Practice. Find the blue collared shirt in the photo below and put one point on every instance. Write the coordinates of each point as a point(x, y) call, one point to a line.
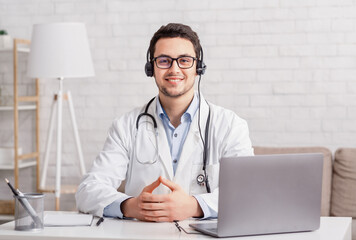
point(176, 138)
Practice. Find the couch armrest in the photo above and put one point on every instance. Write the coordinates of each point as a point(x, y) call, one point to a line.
point(343, 199)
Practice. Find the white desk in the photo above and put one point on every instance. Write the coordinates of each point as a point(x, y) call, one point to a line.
point(330, 228)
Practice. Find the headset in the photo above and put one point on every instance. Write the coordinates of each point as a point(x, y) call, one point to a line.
point(201, 67)
point(202, 179)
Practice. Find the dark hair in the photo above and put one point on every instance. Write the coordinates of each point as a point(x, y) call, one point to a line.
point(173, 30)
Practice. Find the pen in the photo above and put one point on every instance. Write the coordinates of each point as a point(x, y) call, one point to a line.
point(26, 205)
point(11, 187)
point(100, 221)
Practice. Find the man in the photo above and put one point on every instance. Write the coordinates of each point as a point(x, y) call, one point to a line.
point(163, 166)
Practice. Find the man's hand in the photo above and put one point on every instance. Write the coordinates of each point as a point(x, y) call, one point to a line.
point(130, 207)
point(177, 205)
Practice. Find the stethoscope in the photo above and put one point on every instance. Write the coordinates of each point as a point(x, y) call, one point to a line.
point(202, 179)
point(145, 113)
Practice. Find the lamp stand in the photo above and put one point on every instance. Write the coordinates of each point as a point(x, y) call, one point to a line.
point(58, 103)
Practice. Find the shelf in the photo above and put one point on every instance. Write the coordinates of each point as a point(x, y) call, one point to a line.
point(65, 189)
point(6, 218)
point(19, 49)
point(23, 107)
point(7, 209)
point(22, 164)
point(21, 103)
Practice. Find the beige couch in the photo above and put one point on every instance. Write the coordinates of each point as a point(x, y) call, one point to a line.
point(339, 179)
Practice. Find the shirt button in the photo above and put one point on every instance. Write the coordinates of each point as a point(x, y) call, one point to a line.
point(175, 161)
point(175, 134)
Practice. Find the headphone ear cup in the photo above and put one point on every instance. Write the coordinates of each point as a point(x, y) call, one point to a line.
point(201, 67)
point(149, 69)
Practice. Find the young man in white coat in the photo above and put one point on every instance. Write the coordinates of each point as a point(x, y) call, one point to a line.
point(160, 149)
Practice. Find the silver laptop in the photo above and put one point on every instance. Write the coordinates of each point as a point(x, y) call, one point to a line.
point(267, 194)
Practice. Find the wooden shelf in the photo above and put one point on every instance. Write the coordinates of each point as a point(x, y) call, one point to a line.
point(21, 103)
point(6, 218)
point(7, 207)
point(22, 164)
point(20, 161)
point(19, 49)
point(23, 107)
point(65, 189)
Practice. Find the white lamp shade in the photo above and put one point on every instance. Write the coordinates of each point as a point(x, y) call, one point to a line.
point(59, 50)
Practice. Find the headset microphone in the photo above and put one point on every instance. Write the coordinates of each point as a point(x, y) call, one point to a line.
point(201, 67)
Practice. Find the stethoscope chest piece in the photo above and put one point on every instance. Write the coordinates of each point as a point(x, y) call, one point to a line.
point(201, 179)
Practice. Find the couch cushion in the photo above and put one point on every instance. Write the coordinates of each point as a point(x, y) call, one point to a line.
point(343, 199)
point(327, 168)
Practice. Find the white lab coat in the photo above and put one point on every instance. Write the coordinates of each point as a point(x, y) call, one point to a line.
point(228, 136)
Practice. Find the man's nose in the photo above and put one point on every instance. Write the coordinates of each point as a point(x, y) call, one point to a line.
point(175, 67)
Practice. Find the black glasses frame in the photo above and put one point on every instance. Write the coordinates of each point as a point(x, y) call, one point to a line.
point(174, 59)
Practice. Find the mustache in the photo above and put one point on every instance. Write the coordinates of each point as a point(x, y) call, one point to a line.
point(174, 75)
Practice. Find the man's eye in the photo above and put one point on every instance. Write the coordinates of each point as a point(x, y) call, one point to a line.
point(185, 60)
point(163, 61)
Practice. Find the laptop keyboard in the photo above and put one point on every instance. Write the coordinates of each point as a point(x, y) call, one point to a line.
point(211, 227)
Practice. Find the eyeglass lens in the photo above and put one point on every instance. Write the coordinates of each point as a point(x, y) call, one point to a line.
point(166, 62)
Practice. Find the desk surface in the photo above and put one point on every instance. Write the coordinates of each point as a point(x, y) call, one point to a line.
point(333, 228)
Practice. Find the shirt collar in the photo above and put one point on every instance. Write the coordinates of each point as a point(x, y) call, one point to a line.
point(188, 114)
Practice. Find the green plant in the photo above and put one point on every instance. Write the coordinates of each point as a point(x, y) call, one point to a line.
point(3, 32)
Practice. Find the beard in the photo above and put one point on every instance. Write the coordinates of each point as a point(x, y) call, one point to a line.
point(174, 94)
point(175, 91)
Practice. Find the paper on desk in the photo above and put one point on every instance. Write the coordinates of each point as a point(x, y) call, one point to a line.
point(67, 219)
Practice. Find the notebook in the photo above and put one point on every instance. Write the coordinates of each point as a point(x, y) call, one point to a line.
point(55, 219)
point(267, 194)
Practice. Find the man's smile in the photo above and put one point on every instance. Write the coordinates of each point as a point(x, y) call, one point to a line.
point(174, 78)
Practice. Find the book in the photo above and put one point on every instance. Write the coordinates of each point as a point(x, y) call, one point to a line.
point(60, 219)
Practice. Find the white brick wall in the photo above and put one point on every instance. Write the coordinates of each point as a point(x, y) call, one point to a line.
point(288, 67)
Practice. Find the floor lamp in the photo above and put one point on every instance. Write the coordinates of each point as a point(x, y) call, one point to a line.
point(59, 51)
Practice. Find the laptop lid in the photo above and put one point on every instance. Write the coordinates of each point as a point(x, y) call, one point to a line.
point(268, 194)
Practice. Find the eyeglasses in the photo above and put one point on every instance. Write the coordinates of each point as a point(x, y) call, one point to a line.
point(166, 62)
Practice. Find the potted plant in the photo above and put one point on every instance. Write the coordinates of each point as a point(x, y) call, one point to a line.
point(5, 40)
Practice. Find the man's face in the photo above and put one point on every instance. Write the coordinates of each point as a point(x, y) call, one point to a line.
point(175, 81)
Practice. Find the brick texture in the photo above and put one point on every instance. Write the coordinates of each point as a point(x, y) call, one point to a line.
point(287, 67)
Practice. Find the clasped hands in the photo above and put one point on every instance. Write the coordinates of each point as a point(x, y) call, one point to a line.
point(176, 205)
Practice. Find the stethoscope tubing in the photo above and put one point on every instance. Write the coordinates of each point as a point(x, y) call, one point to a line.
point(202, 179)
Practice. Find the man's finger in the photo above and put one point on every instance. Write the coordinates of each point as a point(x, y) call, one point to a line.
point(147, 197)
point(152, 186)
point(171, 185)
point(156, 214)
point(158, 219)
point(151, 206)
